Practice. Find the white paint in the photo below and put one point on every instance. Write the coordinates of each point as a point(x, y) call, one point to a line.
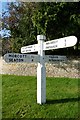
point(41, 72)
point(60, 43)
point(30, 48)
point(53, 44)
point(16, 57)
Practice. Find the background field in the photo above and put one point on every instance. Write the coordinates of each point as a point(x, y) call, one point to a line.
point(19, 98)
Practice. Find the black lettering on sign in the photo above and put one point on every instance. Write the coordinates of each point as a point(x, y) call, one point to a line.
point(10, 55)
point(51, 47)
point(21, 60)
point(20, 56)
point(23, 56)
point(51, 60)
point(17, 56)
point(29, 47)
point(58, 60)
point(65, 42)
point(14, 55)
point(28, 50)
point(47, 43)
point(10, 60)
point(23, 50)
point(52, 42)
point(15, 60)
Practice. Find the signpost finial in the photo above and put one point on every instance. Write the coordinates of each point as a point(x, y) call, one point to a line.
point(41, 37)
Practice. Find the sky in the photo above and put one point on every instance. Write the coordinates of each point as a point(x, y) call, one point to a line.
point(7, 0)
point(3, 7)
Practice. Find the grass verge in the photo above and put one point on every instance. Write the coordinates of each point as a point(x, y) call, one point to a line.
point(19, 98)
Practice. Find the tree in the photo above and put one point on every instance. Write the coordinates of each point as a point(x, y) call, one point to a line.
point(20, 24)
point(55, 20)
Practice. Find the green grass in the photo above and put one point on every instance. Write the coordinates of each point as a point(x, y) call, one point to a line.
point(0, 97)
point(19, 98)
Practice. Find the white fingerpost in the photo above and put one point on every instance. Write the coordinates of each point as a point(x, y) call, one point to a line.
point(41, 71)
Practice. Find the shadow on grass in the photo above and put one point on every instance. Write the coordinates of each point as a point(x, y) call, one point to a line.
point(63, 100)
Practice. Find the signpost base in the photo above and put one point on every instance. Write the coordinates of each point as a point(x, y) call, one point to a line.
point(41, 84)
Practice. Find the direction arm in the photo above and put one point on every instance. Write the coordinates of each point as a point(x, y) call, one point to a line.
point(60, 43)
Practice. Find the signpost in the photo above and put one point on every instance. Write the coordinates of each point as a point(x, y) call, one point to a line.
point(60, 43)
point(41, 58)
point(30, 48)
point(31, 58)
point(55, 58)
point(52, 44)
point(41, 71)
point(16, 57)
